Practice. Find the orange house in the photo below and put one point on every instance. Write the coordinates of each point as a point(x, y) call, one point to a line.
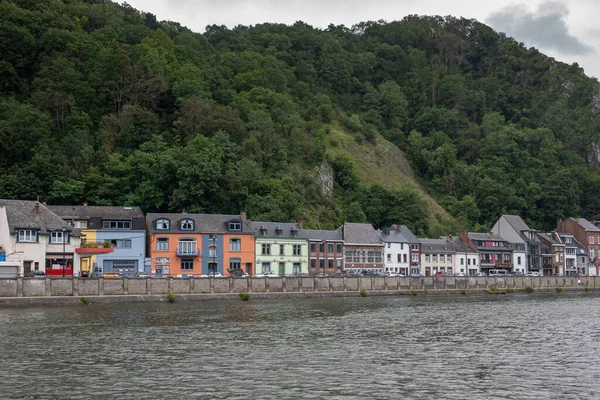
point(199, 244)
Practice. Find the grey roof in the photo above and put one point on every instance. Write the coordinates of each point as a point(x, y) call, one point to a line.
point(272, 228)
point(313, 234)
point(21, 214)
point(582, 250)
point(407, 233)
point(488, 237)
point(516, 222)
point(548, 237)
point(437, 246)
point(392, 237)
point(85, 212)
point(360, 234)
point(460, 245)
point(203, 223)
point(587, 225)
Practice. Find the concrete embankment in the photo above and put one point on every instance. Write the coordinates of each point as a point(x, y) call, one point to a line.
point(58, 291)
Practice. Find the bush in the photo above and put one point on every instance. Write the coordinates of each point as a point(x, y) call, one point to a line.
point(509, 290)
point(425, 290)
point(414, 292)
point(587, 289)
point(493, 288)
point(245, 296)
point(559, 289)
point(171, 297)
point(363, 293)
point(528, 289)
point(463, 291)
point(85, 300)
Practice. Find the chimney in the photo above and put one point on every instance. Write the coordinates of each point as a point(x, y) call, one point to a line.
point(43, 202)
point(386, 231)
point(36, 208)
point(450, 238)
point(85, 204)
point(243, 215)
point(491, 234)
point(395, 227)
point(300, 223)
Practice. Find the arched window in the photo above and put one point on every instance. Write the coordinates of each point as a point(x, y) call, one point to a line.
point(162, 224)
point(187, 225)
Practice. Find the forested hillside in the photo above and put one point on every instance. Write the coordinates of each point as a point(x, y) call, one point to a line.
point(102, 103)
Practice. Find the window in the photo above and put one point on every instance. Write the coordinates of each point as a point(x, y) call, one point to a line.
point(592, 254)
point(321, 247)
point(339, 248)
point(235, 263)
point(294, 232)
point(281, 249)
point(296, 268)
point(414, 257)
point(322, 263)
point(434, 258)
point(297, 250)
point(583, 260)
point(426, 257)
point(449, 259)
point(80, 224)
point(266, 267)
point(235, 226)
point(401, 246)
point(263, 231)
point(187, 225)
point(121, 243)
point(414, 247)
point(279, 231)
point(389, 245)
point(59, 237)
point(404, 258)
point(462, 261)
point(468, 261)
point(235, 244)
point(313, 247)
point(389, 258)
point(187, 246)
point(162, 224)
point(212, 252)
point(519, 260)
point(187, 264)
point(442, 259)
point(591, 240)
point(313, 263)
point(330, 248)
point(162, 244)
point(330, 264)
point(399, 258)
point(28, 235)
point(116, 224)
point(266, 249)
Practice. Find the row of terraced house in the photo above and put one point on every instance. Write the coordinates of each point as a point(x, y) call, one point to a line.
point(93, 240)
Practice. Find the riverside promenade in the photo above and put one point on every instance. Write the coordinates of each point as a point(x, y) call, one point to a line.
point(68, 290)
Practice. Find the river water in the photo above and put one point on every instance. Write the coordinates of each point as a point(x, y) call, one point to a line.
point(514, 346)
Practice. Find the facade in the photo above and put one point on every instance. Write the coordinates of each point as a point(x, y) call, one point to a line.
point(437, 255)
point(45, 242)
point(199, 244)
point(494, 251)
point(553, 253)
point(524, 243)
point(280, 247)
point(466, 259)
point(124, 228)
point(363, 249)
point(397, 251)
point(325, 251)
point(587, 234)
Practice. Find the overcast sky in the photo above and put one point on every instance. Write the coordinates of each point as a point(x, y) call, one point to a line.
point(566, 30)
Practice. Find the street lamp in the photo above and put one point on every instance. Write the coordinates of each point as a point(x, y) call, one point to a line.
point(64, 256)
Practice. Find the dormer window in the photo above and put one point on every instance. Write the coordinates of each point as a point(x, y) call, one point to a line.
point(294, 232)
point(263, 231)
point(162, 224)
point(187, 225)
point(279, 231)
point(59, 237)
point(28, 235)
point(235, 226)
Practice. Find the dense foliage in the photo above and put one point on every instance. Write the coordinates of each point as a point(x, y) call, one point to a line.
point(102, 103)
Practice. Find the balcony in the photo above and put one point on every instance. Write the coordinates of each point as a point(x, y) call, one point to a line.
point(187, 253)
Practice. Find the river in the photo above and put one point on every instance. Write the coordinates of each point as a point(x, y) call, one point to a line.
point(514, 346)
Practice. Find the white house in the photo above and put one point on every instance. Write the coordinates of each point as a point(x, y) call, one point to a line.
point(397, 251)
point(42, 239)
point(466, 260)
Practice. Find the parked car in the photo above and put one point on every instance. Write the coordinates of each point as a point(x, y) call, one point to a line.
point(481, 274)
point(322, 275)
point(297, 274)
point(533, 273)
point(268, 274)
point(111, 275)
point(349, 274)
point(392, 273)
point(460, 274)
point(35, 274)
point(441, 274)
point(364, 272)
point(212, 275)
point(143, 275)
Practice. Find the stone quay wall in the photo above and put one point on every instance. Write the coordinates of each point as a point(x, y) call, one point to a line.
point(53, 287)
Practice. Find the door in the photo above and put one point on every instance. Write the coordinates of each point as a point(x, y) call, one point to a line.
point(281, 269)
point(159, 271)
point(26, 267)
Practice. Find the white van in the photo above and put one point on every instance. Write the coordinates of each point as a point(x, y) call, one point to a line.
point(498, 272)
